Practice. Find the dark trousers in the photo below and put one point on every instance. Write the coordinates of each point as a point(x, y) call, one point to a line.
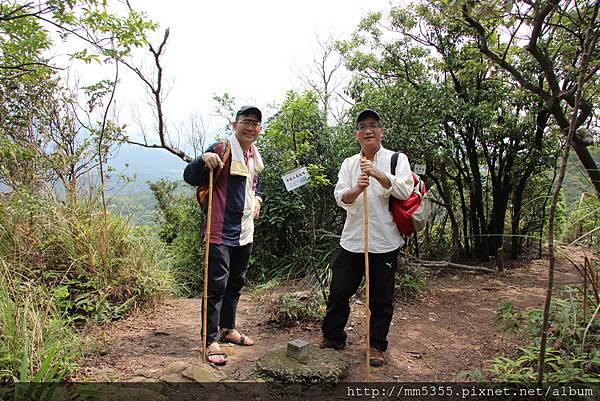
point(227, 266)
point(348, 271)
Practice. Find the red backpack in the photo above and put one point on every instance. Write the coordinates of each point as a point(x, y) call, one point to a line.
point(411, 214)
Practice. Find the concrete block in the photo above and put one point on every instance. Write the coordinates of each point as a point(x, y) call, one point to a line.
point(298, 349)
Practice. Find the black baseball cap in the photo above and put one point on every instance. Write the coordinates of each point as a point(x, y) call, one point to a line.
point(367, 113)
point(249, 110)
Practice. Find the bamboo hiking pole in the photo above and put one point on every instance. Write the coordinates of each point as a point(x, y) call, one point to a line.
point(206, 247)
point(367, 310)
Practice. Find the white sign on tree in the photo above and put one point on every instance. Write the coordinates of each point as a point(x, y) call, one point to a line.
point(420, 169)
point(295, 178)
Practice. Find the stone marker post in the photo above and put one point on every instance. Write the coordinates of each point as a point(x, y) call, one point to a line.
point(298, 349)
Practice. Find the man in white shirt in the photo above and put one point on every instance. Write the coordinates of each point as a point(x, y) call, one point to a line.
point(368, 169)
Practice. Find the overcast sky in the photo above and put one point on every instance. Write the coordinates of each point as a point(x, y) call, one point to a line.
point(251, 50)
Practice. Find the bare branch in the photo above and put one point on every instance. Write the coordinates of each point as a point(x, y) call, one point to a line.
point(155, 88)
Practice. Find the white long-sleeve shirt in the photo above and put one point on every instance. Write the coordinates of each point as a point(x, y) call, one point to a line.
point(383, 233)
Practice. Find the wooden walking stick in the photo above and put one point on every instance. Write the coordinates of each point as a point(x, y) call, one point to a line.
point(367, 310)
point(206, 247)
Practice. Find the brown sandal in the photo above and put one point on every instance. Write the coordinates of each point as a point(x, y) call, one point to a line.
point(244, 340)
point(217, 353)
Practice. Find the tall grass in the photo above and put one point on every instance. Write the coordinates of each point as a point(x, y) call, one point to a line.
point(36, 344)
point(573, 354)
point(58, 271)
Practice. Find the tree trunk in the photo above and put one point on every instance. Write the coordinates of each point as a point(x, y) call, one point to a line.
point(444, 191)
point(496, 226)
point(477, 214)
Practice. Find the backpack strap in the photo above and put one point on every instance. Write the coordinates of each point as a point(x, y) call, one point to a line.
point(394, 162)
point(225, 152)
point(418, 185)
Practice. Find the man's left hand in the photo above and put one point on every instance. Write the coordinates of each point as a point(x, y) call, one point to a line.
point(256, 209)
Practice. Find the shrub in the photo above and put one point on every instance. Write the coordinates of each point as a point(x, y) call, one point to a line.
point(410, 281)
point(180, 221)
point(68, 264)
point(573, 342)
point(582, 225)
point(290, 309)
point(35, 342)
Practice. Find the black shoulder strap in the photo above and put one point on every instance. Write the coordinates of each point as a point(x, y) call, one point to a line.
point(224, 144)
point(394, 162)
point(225, 152)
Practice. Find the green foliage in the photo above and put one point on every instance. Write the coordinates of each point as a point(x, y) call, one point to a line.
point(479, 136)
point(21, 39)
point(42, 137)
point(179, 221)
point(560, 366)
point(505, 317)
point(36, 344)
point(291, 309)
point(95, 268)
point(583, 222)
point(93, 22)
point(291, 234)
point(410, 281)
point(139, 206)
point(570, 357)
point(560, 214)
point(68, 265)
point(475, 375)
point(69, 262)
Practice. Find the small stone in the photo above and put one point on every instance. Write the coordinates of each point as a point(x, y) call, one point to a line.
point(201, 373)
point(138, 349)
point(298, 349)
point(175, 367)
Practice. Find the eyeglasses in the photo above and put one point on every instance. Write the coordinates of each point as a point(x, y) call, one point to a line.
point(364, 127)
point(250, 123)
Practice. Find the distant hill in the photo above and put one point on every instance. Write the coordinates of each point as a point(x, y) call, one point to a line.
point(146, 165)
point(142, 165)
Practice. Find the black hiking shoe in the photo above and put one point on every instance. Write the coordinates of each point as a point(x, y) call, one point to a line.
point(330, 344)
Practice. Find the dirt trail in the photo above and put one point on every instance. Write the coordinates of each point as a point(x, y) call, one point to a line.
point(448, 329)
